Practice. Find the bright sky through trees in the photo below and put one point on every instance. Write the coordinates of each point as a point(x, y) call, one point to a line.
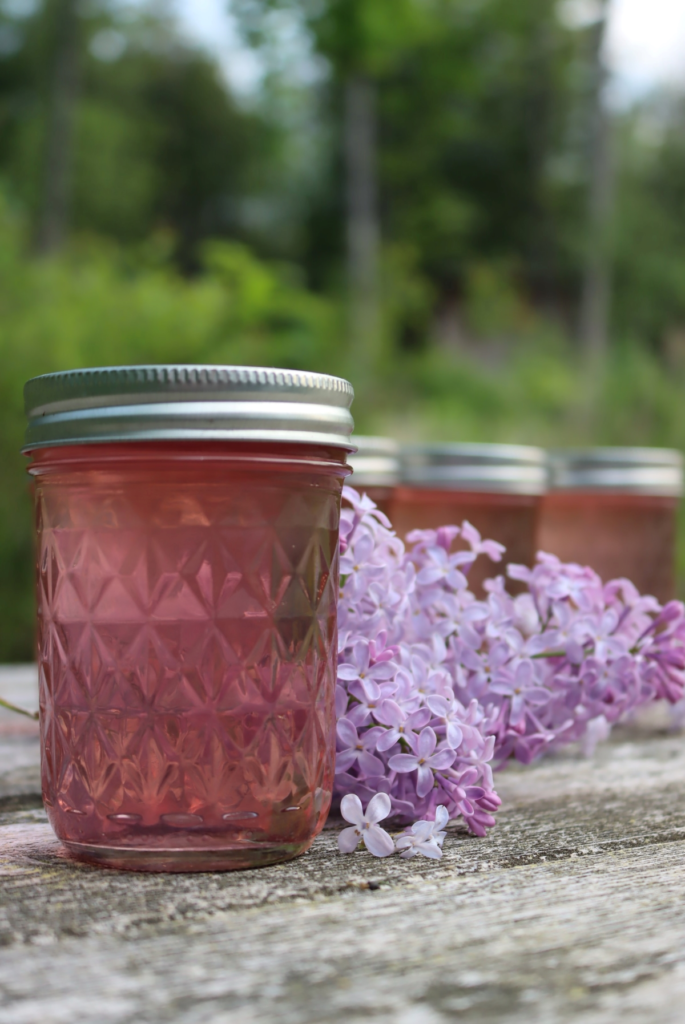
point(207, 21)
point(647, 41)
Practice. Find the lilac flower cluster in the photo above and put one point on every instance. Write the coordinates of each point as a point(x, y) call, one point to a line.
point(403, 728)
point(435, 686)
point(585, 655)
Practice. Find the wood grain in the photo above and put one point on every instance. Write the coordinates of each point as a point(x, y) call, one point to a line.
point(573, 909)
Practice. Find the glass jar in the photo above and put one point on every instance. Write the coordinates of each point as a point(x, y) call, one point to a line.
point(496, 487)
point(615, 509)
point(376, 469)
point(187, 578)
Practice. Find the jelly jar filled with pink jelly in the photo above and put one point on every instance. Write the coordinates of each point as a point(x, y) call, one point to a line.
point(496, 487)
point(376, 469)
point(187, 577)
point(614, 509)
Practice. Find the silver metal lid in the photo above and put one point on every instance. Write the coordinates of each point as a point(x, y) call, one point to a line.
point(496, 468)
point(187, 403)
point(656, 471)
point(376, 462)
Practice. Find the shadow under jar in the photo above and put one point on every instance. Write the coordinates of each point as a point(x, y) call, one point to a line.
point(496, 487)
point(614, 509)
point(187, 579)
point(376, 469)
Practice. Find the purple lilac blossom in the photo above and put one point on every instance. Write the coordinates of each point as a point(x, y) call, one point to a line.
point(436, 687)
point(365, 825)
point(425, 837)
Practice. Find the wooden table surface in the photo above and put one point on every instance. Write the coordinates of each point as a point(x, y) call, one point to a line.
point(573, 909)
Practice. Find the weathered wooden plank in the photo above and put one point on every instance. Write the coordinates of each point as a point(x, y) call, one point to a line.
point(19, 752)
point(573, 909)
point(19, 685)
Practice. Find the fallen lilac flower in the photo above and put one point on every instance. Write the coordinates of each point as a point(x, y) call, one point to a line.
point(425, 837)
point(365, 827)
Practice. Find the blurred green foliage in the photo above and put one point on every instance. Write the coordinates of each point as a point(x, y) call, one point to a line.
point(158, 138)
point(482, 119)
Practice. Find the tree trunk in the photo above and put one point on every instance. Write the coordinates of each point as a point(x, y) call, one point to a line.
point(64, 86)
point(363, 233)
point(596, 287)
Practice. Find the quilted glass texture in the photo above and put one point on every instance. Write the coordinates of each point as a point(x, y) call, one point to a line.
point(187, 645)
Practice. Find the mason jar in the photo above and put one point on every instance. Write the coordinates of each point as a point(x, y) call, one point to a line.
point(376, 469)
point(496, 487)
point(614, 509)
point(187, 576)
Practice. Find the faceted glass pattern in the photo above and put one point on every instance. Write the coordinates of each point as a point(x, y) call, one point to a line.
point(187, 646)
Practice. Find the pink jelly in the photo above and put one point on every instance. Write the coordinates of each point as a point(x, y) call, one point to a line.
point(615, 509)
point(187, 645)
point(495, 487)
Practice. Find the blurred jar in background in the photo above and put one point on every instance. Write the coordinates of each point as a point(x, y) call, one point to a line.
point(187, 582)
point(376, 469)
point(615, 510)
point(497, 487)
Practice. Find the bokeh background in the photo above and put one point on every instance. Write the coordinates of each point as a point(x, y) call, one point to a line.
point(473, 209)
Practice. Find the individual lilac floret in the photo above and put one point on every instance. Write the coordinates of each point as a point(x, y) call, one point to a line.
point(426, 837)
point(365, 826)
point(356, 748)
point(491, 548)
point(400, 725)
point(439, 567)
point(424, 760)
point(359, 669)
point(522, 691)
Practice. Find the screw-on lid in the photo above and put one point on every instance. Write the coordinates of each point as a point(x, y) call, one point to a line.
point(657, 471)
point(376, 462)
point(187, 403)
point(497, 468)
